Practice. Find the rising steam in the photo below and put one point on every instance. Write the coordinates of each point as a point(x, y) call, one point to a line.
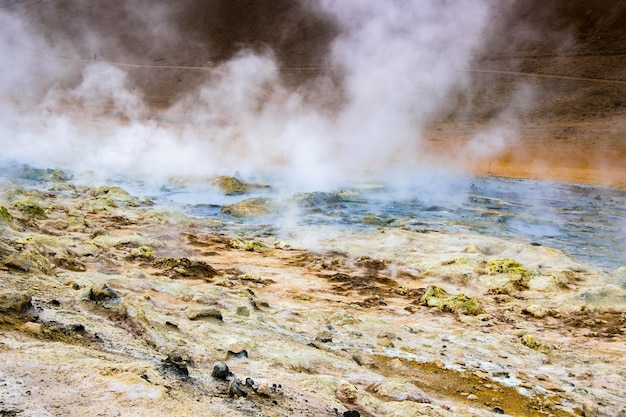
point(390, 68)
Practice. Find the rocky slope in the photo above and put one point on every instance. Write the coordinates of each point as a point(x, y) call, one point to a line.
point(110, 305)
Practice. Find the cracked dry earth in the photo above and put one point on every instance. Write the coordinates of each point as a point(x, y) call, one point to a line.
point(111, 306)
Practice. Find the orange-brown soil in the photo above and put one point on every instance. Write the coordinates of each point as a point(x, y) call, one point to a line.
point(582, 152)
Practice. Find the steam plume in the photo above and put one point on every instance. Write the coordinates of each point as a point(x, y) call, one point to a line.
point(393, 65)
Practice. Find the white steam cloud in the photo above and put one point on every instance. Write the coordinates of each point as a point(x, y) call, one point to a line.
point(401, 63)
point(397, 62)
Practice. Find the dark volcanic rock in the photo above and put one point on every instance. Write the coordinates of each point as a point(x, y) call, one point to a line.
point(177, 362)
point(221, 371)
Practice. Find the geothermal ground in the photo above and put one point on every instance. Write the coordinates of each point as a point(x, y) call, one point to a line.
point(165, 294)
point(112, 305)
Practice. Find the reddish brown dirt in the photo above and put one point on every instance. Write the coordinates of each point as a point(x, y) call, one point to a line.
point(586, 152)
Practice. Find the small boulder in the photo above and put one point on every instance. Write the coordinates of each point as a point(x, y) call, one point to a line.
point(533, 343)
point(18, 261)
point(347, 393)
point(385, 342)
point(318, 199)
point(434, 296)
point(518, 275)
point(250, 207)
point(250, 246)
point(30, 208)
point(535, 311)
point(467, 305)
point(184, 267)
point(32, 328)
point(5, 216)
point(259, 304)
point(142, 252)
point(343, 318)
point(237, 350)
point(506, 266)
point(256, 246)
point(220, 371)
point(17, 303)
point(236, 243)
point(111, 192)
point(235, 389)
point(243, 311)
point(325, 336)
point(377, 220)
point(178, 363)
point(437, 297)
point(230, 185)
point(204, 313)
point(394, 389)
point(265, 390)
point(590, 409)
point(102, 293)
point(43, 175)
